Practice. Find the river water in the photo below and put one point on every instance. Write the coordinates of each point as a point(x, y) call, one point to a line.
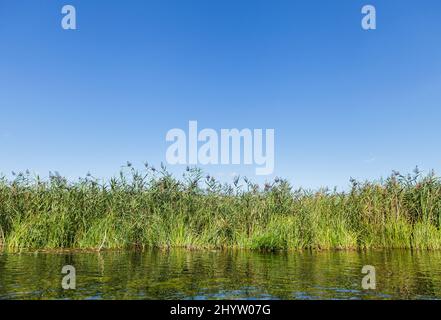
point(183, 274)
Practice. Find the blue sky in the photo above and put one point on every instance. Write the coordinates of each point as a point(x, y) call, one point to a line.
point(344, 102)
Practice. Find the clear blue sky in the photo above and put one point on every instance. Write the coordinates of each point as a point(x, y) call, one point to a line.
point(343, 101)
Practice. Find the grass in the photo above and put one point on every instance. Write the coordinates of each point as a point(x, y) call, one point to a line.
point(151, 208)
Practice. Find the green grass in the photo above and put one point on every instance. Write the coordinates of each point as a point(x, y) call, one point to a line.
point(150, 208)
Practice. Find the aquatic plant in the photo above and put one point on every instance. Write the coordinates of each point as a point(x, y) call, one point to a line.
point(151, 208)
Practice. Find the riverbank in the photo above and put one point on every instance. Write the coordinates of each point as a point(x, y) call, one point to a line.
point(150, 208)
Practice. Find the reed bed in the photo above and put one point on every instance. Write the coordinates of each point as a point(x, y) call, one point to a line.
point(151, 208)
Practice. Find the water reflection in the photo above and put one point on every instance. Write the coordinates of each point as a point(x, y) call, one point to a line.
point(182, 274)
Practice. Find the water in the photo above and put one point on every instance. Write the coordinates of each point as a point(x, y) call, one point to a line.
point(182, 274)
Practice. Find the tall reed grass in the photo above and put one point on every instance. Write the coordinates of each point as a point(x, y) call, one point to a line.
point(151, 208)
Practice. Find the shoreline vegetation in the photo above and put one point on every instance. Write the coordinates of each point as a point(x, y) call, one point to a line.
point(150, 208)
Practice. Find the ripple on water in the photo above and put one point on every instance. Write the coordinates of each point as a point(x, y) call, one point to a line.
point(181, 274)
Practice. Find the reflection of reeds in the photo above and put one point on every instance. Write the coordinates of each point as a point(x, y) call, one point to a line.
point(226, 274)
point(150, 208)
point(2, 237)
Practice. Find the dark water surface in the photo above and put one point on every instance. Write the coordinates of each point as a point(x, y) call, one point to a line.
point(182, 274)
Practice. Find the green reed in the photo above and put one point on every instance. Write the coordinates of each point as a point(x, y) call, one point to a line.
point(151, 208)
